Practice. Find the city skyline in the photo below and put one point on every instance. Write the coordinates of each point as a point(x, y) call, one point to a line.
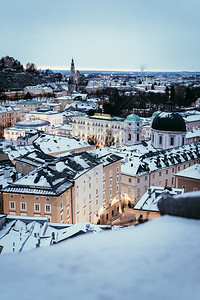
point(107, 35)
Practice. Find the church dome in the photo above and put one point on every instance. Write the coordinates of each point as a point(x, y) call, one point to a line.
point(169, 121)
point(133, 118)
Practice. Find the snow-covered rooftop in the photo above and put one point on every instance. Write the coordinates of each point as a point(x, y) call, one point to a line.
point(193, 133)
point(21, 233)
point(150, 199)
point(144, 158)
point(52, 144)
point(191, 172)
point(54, 177)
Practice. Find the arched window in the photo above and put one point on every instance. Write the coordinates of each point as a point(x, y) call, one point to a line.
point(129, 137)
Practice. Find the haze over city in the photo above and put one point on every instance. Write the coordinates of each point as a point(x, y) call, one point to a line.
point(103, 35)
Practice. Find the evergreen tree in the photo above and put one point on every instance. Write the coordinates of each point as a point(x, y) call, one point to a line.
point(172, 93)
point(189, 96)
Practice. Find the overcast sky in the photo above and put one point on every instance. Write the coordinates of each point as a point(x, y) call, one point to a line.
point(102, 34)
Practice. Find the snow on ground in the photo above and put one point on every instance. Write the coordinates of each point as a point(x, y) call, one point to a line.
point(156, 260)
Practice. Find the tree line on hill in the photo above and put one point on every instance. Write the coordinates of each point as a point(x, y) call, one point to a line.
point(14, 76)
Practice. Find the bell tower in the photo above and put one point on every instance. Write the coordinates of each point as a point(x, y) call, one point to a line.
point(72, 74)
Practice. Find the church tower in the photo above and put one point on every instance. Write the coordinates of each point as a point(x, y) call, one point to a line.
point(133, 130)
point(71, 82)
point(72, 74)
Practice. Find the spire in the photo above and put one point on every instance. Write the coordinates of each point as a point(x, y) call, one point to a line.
point(169, 106)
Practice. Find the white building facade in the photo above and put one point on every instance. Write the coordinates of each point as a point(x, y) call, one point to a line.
point(104, 127)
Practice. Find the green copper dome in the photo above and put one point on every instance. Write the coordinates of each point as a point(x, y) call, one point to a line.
point(156, 113)
point(133, 118)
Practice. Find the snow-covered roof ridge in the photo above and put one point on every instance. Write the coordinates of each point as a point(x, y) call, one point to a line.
point(151, 197)
point(55, 176)
point(136, 164)
point(191, 172)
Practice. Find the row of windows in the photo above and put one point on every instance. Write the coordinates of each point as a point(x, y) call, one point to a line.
point(99, 124)
point(160, 173)
point(23, 206)
point(24, 197)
